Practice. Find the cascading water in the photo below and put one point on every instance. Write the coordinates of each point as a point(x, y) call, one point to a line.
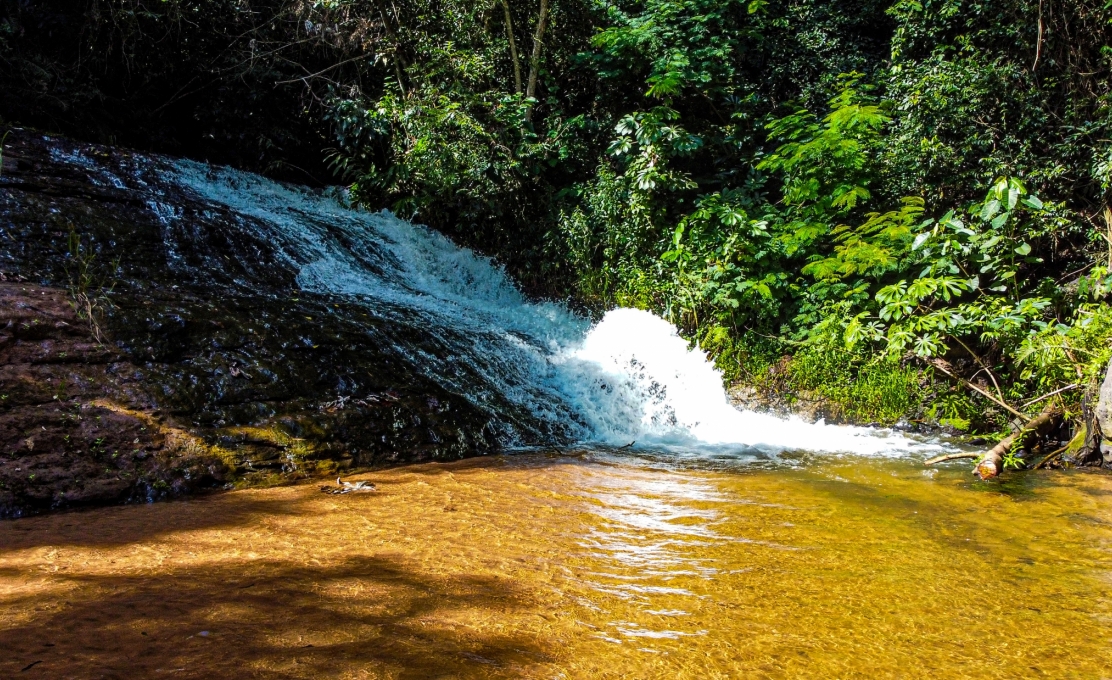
point(628, 378)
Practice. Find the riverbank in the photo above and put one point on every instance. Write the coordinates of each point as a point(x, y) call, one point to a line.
point(589, 565)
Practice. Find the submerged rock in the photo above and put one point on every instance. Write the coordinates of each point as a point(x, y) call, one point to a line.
point(133, 367)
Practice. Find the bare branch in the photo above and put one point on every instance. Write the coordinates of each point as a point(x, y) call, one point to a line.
point(941, 365)
point(1067, 388)
point(951, 456)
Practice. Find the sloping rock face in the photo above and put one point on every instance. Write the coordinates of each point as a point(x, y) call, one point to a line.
point(126, 376)
point(75, 424)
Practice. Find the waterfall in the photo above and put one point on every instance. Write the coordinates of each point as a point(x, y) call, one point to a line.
point(628, 378)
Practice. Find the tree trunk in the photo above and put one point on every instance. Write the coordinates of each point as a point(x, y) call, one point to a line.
point(535, 61)
point(399, 60)
point(1103, 416)
point(1096, 424)
point(513, 46)
point(993, 462)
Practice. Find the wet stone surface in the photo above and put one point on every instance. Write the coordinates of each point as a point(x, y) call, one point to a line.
point(212, 367)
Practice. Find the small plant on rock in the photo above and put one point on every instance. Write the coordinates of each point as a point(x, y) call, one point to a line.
point(87, 288)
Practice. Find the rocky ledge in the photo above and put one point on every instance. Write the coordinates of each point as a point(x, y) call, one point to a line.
point(132, 371)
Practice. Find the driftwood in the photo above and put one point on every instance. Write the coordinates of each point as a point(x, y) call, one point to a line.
point(992, 462)
point(1092, 443)
point(951, 456)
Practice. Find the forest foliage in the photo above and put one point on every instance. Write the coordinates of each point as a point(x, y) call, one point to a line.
point(908, 198)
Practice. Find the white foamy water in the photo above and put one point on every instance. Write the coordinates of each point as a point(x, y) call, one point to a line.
point(672, 395)
point(628, 378)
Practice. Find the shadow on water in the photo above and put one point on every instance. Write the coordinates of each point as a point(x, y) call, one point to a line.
point(268, 620)
point(115, 526)
point(1016, 486)
point(143, 591)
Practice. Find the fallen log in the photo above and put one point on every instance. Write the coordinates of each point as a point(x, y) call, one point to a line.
point(992, 462)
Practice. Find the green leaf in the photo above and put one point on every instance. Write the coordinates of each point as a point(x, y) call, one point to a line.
point(1032, 201)
point(1023, 249)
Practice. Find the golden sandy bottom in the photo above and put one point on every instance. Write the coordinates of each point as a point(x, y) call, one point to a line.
point(575, 566)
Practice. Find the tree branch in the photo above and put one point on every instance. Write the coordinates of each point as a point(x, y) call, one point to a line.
point(951, 456)
point(984, 366)
point(399, 60)
point(1067, 388)
point(941, 365)
point(1038, 45)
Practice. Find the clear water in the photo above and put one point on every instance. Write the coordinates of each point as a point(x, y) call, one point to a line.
point(577, 565)
point(626, 379)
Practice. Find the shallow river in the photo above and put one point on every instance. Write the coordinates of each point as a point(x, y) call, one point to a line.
point(577, 565)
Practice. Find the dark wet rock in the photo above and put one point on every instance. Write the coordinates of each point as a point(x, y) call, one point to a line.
point(212, 366)
point(784, 403)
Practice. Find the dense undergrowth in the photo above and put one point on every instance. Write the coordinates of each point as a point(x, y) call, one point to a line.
point(898, 209)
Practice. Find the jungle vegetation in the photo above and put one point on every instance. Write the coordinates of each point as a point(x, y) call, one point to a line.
point(899, 207)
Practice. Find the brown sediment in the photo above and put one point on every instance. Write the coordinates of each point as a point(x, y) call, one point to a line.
point(573, 566)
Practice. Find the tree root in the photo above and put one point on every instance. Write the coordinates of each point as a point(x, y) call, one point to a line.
point(1053, 454)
